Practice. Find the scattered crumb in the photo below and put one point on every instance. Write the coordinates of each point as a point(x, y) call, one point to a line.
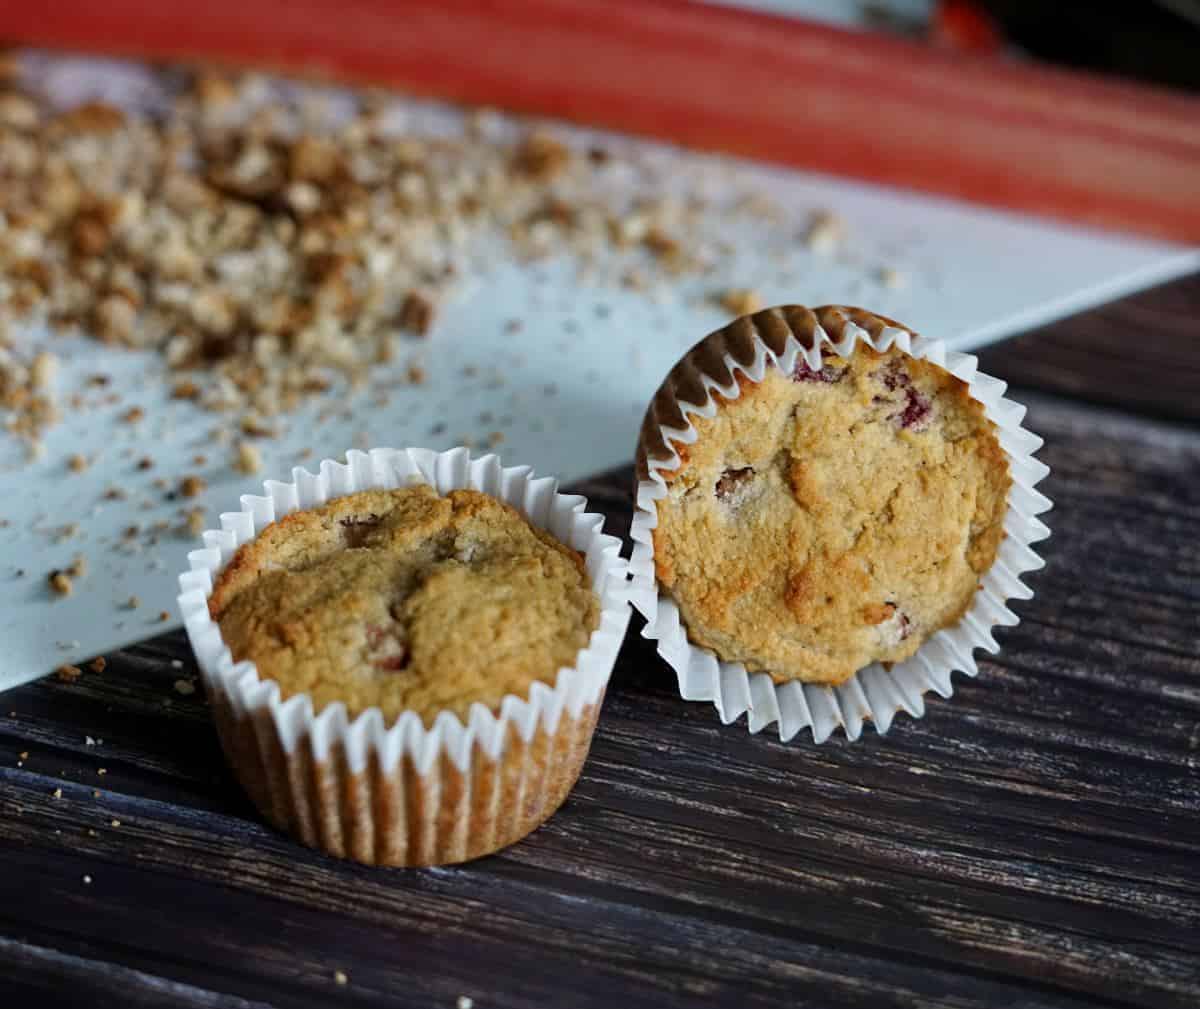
point(416, 374)
point(98, 664)
point(145, 463)
point(114, 823)
point(826, 232)
point(185, 687)
point(95, 793)
point(199, 460)
point(57, 793)
point(77, 463)
point(187, 389)
point(891, 278)
point(249, 458)
point(191, 486)
point(661, 244)
point(255, 427)
point(115, 494)
point(177, 663)
point(43, 370)
point(340, 977)
point(163, 617)
point(465, 1002)
point(194, 523)
point(495, 438)
point(739, 301)
point(416, 313)
point(102, 770)
point(133, 415)
point(87, 880)
point(60, 582)
point(540, 156)
point(79, 566)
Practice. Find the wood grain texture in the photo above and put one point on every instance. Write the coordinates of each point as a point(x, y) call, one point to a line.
point(1140, 353)
point(1034, 841)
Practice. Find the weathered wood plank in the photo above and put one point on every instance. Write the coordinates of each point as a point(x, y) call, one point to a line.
point(1141, 352)
point(1032, 841)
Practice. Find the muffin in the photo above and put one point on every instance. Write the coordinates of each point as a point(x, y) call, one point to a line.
point(406, 654)
point(825, 520)
point(406, 600)
point(818, 496)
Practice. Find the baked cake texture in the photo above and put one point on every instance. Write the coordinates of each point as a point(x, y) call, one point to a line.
point(827, 519)
point(406, 600)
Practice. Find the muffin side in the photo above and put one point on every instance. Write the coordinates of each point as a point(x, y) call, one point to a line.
point(828, 519)
point(406, 600)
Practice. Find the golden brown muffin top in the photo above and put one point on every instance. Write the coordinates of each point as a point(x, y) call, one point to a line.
point(828, 519)
point(406, 599)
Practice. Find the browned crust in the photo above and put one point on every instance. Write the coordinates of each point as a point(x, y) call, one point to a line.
point(403, 818)
point(684, 384)
point(243, 566)
point(685, 381)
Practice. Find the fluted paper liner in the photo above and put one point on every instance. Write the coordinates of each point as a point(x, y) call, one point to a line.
point(741, 352)
point(402, 793)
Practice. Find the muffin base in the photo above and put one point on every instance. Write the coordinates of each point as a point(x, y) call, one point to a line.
point(400, 791)
point(401, 817)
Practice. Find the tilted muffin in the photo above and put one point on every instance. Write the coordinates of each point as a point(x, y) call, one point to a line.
point(406, 600)
point(827, 519)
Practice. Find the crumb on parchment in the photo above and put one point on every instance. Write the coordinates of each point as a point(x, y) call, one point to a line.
point(739, 300)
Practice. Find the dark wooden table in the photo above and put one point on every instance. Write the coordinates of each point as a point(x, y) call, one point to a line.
point(1034, 841)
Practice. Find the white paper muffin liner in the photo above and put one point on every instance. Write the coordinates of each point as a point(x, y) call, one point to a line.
point(404, 793)
point(874, 693)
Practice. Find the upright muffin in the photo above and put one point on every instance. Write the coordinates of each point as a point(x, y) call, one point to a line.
point(407, 676)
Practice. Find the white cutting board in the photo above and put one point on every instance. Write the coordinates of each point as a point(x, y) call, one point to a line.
point(567, 391)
